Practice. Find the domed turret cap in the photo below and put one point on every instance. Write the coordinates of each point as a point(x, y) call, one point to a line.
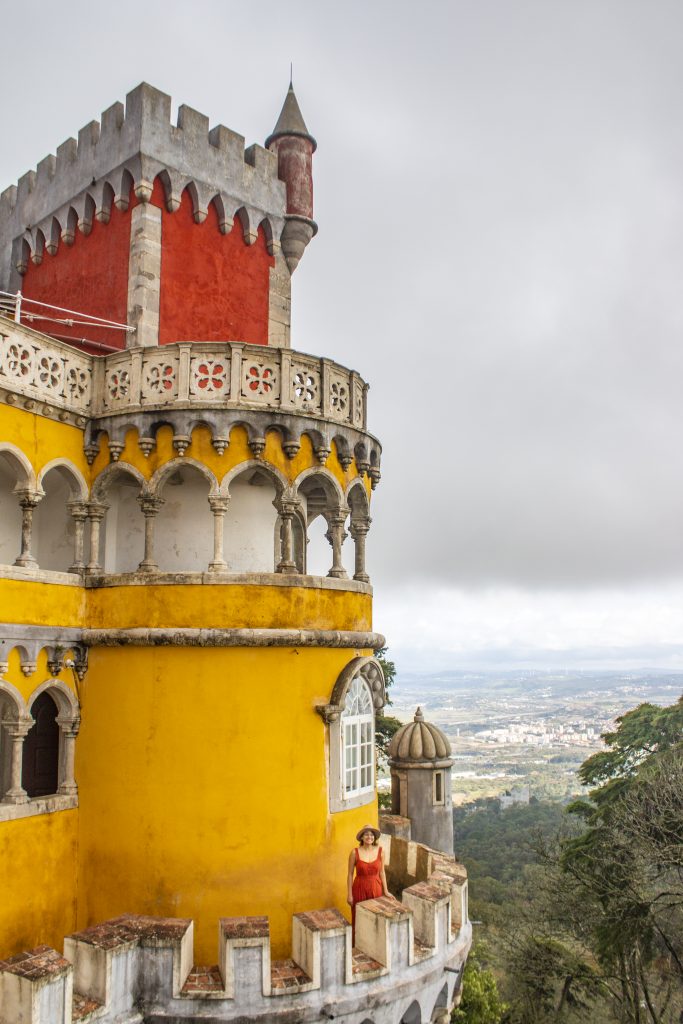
point(419, 741)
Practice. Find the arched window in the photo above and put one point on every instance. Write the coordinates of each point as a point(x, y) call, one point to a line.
point(40, 771)
point(358, 694)
point(358, 737)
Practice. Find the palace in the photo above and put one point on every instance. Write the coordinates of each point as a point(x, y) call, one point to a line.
point(188, 680)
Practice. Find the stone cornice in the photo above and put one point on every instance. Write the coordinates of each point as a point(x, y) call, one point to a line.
point(144, 637)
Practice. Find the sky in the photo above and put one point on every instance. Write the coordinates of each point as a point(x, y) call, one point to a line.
point(499, 191)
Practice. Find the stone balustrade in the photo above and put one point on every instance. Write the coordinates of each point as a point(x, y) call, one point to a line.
point(407, 963)
point(38, 372)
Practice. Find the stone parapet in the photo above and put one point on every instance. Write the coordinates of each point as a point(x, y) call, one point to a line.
point(289, 391)
point(409, 954)
point(127, 149)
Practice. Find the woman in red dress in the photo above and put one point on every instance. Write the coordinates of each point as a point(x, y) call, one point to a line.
point(367, 861)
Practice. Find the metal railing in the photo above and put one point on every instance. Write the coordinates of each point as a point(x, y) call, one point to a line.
point(19, 308)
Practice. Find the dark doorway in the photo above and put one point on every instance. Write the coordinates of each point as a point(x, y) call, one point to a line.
point(40, 768)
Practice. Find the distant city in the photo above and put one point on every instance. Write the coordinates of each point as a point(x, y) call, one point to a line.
point(520, 728)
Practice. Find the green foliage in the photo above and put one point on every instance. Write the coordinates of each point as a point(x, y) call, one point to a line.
point(481, 1002)
point(388, 667)
point(585, 910)
point(385, 725)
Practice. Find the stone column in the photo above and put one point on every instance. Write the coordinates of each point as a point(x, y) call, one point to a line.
point(336, 536)
point(287, 510)
point(69, 732)
point(16, 794)
point(150, 507)
point(96, 514)
point(359, 531)
point(79, 514)
point(144, 274)
point(219, 506)
point(28, 501)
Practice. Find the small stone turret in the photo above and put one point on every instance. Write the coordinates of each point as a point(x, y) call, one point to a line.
point(294, 147)
point(420, 761)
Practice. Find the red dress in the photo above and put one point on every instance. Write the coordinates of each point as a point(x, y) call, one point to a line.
point(367, 885)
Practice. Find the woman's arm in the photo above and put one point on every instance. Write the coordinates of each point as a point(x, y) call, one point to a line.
point(383, 877)
point(349, 884)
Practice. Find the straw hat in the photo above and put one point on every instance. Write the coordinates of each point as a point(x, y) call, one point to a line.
point(368, 828)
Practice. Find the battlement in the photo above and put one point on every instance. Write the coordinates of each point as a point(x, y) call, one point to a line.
point(129, 148)
point(141, 968)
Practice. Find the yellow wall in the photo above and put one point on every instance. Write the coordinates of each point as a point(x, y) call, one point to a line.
point(38, 862)
point(202, 772)
point(203, 788)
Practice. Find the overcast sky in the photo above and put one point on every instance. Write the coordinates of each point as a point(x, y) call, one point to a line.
point(499, 190)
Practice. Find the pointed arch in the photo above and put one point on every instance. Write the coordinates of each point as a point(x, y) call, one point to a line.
point(71, 473)
point(160, 478)
point(112, 473)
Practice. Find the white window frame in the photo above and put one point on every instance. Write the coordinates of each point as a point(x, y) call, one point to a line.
point(357, 736)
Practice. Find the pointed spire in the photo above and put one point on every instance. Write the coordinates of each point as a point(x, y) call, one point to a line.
point(290, 121)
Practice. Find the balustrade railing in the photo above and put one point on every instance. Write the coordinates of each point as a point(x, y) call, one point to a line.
point(41, 368)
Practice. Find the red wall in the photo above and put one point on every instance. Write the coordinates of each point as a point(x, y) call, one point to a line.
point(90, 276)
point(214, 287)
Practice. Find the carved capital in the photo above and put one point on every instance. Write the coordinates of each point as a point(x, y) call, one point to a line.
point(219, 504)
point(78, 510)
point(329, 712)
point(150, 506)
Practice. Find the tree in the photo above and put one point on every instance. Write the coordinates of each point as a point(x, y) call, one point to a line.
point(480, 1002)
point(626, 865)
point(386, 726)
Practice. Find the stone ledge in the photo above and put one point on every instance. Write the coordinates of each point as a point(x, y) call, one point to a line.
point(180, 637)
point(38, 805)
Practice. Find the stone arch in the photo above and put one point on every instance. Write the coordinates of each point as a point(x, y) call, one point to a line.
point(53, 237)
point(280, 481)
point(268, 233)
point(54, 530)
point(106, 201)
point(123, 185)
point(60, 755)
point(369, 668)
point(413, 1014)
point(158, 481)
point(64, 698)
point(120, 544)
point(14, 723)
point(13, 456)
point(182, 490)
point(321, 497)
point(356, 497)
point(249, 230)
point(352, 783)
point(71, 473)
point(224, 217)
point(111, 474)
point(17, 480)
point(70, 226)
point(441, 1004)
point(38, 247)
point(251, 535)
point(13, 707)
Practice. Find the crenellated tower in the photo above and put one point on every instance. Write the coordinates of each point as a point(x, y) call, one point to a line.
point(188, 681)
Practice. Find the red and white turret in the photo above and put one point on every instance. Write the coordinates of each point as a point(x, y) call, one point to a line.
point(294, 146)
